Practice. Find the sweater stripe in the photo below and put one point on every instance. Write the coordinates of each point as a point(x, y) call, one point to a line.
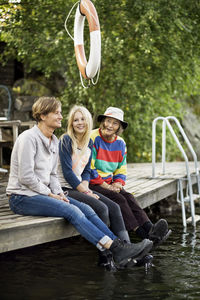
point(107, 167)
point(111, 156)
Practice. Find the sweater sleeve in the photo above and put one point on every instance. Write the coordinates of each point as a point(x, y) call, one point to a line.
point(119, 175)
point(65, 154)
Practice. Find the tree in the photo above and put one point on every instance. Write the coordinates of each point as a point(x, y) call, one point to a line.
point(150, 58)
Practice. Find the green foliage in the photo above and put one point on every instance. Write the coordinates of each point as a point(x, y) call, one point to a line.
point(150, 58)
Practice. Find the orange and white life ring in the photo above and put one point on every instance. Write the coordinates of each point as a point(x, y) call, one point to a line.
point(88, 69)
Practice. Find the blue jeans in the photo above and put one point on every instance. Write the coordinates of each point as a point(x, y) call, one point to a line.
point(80, 215)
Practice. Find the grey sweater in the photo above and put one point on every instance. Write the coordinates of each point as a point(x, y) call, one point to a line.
point(34, 164)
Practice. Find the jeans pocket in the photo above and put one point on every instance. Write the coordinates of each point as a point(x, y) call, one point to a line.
point(16, 204)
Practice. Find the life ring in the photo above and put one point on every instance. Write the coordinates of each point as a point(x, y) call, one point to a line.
point(88, 69)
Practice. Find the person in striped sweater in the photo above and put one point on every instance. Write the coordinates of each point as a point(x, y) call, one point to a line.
point(108, 176)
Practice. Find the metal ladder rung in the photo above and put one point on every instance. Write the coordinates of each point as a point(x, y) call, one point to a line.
point(196, 217)
point(194, 197)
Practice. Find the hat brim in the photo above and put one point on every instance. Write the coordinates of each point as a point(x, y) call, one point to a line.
point(101, 117)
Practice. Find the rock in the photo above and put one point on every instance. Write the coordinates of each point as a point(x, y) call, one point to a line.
point(26, 93)
point(24, 103)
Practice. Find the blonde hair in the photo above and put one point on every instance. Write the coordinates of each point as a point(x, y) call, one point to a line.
point(43, 106)
point(70, 130)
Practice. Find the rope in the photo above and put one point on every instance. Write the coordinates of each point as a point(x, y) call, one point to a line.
point(98, 72)
point(65, 24)
point(85, 87)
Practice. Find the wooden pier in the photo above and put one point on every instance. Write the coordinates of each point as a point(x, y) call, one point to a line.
point(18, 232)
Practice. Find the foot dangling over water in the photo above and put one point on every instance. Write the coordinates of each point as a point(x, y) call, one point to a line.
point(159, 232)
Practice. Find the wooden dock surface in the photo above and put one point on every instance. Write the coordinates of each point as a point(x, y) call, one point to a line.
point(18, 232)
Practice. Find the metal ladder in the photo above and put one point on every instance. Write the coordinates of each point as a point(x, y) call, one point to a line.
point(182, 182)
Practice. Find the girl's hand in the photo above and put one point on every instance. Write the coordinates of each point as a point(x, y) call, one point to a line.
point(91, 194)
point(85, 184)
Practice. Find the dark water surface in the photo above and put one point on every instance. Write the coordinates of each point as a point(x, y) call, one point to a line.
point(68, 270)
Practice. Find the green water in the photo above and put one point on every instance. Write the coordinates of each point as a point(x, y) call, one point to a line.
point(68, 270)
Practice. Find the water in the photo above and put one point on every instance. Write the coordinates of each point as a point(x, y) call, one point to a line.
point(67, 270)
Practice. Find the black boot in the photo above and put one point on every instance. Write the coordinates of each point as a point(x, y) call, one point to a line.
point(159, 232)
point(122, 251)
point(106, 260)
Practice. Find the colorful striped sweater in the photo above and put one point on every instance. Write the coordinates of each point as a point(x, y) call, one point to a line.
point(108, 160)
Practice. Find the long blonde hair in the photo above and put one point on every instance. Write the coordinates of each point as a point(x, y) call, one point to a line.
point(70, 130)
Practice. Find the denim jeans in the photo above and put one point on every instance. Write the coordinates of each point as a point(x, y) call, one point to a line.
point(107, 210)
point(80, 215)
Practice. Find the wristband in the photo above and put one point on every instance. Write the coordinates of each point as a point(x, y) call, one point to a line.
point(86, 192)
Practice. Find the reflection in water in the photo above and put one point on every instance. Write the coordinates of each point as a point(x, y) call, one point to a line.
point(68, 270)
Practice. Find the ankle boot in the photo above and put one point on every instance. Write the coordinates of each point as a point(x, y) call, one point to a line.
point(159, 232)
point(122, 251)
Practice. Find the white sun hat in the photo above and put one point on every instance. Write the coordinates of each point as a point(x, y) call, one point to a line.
point(114, 112)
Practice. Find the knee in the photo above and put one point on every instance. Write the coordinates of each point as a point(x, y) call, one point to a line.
point(116, 208)
point(104, 214)
point(101, 208)
point(120, 199)
point(87, 210)
point(73, 214)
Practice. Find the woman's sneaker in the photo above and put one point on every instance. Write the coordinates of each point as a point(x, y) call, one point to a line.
point(159, 232)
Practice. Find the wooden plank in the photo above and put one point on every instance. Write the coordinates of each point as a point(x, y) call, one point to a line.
point(12, 238)
point(151, 197)
point(14, 220)
point(22, 221)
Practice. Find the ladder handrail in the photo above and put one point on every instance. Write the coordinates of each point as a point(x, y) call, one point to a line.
point(154, 144)
point(165, 121)
point(187, 142)
point(190, 148)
